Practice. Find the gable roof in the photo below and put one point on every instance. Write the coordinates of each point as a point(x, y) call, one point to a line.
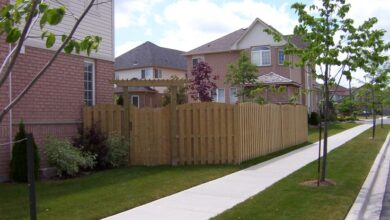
point(229, 42)
point(222, 44)
point(273, 78)
point(148, 55)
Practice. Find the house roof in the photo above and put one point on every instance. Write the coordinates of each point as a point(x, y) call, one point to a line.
point(229, 41)
point(273, 78)
point(151, 55)
point(222, 44)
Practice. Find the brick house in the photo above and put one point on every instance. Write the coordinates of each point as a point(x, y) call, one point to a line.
point(338, 93)
point(265, 53)
point(149, 61)
point(54, 104)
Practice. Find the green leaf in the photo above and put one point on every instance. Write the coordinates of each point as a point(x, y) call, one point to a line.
point(13, 35)
point(42, 7)
point(43, 20)
point(51, 39)
point(55, 15)
point(63, 37)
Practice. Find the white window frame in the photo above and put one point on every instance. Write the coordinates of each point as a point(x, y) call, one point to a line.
point(230, 95)
point(215, 95)
point(198, 58)
point(93, 81)
point(159, 73)
point(260, 50)
point(284, 56)
point(144, 70)
point(132, 100)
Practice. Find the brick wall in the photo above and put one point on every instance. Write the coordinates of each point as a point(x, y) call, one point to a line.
point(219, 62)
point(54, 104)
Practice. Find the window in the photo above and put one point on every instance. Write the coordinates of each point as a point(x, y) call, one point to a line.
point(143, 74)
point(157, 73)
point(135, 100)
point(196, 60)
point(233, 95)
point(219, 95)
point(280, 57)
point(89, 83)
point(261, 56)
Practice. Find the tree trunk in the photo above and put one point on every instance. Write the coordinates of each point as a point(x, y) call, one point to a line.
point(326, 109)
point(382, 115)
point(373, 114)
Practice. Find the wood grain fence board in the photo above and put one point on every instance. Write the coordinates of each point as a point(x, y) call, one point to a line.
point(212, 133)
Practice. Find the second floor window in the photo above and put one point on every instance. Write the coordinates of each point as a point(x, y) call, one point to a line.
point(261, 56)
point(280, 57)
point(143, 74)
point(157, 73)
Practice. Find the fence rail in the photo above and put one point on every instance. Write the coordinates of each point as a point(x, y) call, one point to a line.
point(207, 133)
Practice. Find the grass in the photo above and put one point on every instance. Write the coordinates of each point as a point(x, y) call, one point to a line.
point(334, 128)
point(108, 192)
point(348, 166)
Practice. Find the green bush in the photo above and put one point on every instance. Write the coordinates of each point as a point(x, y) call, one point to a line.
point(66, 158)
point(93, 141)
point(118, 150)
point(19, 157)
point(314, 118)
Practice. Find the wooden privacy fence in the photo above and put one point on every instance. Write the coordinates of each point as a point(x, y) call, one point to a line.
point(206, 133)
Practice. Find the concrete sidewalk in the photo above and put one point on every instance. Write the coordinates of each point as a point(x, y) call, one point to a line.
point(212, 198)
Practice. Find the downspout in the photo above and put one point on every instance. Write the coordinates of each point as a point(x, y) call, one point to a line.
point(10, 100)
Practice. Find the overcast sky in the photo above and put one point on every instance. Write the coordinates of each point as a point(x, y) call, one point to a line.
point(187, 24)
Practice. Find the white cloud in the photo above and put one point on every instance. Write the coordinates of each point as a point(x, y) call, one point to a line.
point(133, 13)
point(190, 28)
point(123, 48)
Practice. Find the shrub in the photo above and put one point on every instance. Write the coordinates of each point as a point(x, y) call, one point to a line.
point(314, 118)
point(118, 150)
point(92, 140)
point(66, 158)
point(19, 157)
point(119, 100)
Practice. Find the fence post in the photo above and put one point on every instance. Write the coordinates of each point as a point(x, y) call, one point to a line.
point(237, 137)
point(126, 119)
point(173, 115)
point(31, 177)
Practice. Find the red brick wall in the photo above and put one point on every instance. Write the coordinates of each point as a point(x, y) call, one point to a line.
point(53, 106)
point(219, 62)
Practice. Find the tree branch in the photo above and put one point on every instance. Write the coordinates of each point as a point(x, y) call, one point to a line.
point(4, 75)
point(48, 64)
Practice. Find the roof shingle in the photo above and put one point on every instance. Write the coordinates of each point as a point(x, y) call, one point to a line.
point(149, 54)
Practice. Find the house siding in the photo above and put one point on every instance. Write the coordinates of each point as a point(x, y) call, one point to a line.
point(98, 21)
point(136, 73)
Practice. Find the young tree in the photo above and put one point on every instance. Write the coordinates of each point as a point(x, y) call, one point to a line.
point(334, 42)
point(243, 74)
point(202, 82)
point(378, 82)
point(16, 22)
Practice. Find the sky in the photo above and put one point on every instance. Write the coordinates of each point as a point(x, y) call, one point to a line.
point(187, 24)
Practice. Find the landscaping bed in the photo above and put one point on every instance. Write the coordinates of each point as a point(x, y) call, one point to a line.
point(348, 167)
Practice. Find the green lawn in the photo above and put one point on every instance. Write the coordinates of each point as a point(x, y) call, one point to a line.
point(287, 199)
point(108, 192)
point(334, 128)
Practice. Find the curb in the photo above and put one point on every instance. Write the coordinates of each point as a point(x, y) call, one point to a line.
point(359, 206)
